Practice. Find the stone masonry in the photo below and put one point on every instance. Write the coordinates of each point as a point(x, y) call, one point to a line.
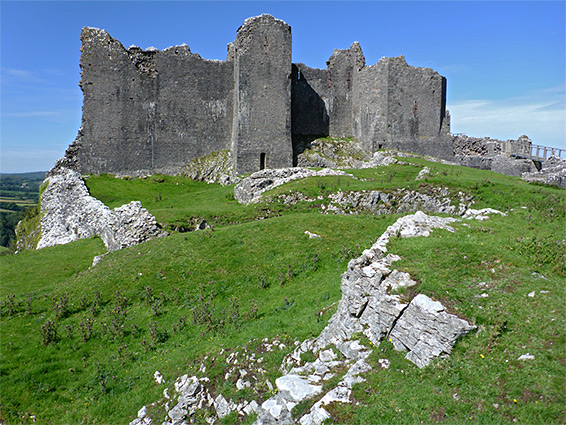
point(153, 111)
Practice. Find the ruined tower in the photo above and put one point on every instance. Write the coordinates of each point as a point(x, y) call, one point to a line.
point(261, 130)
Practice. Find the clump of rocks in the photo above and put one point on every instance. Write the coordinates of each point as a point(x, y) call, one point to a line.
point(397, 202)
point(69, 212)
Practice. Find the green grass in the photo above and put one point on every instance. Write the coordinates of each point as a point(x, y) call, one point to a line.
point(265, 278)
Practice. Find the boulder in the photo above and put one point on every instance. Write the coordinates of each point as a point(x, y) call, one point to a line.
point(426, 330)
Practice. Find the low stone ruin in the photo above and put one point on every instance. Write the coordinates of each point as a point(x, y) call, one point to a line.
point(553, 172)
point(250, 189)
point(68, 213)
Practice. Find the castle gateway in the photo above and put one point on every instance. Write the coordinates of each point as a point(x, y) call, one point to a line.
point(152, 111)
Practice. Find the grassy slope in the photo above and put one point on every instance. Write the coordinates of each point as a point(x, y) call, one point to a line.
point(272, 264)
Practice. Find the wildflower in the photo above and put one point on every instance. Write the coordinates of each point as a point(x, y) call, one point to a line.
point(482, 356)
point(514, 400)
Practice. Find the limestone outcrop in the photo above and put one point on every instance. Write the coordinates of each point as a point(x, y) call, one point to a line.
point(250, 189)
point(421, 326)
point(68, 213)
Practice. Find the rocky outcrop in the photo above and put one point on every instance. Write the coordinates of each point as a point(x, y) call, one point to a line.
point(420, 326)
point(553, 172)
point(68, 213)
point(437, 200)
point(486, 153)
point(217, 167)
point(251, 188)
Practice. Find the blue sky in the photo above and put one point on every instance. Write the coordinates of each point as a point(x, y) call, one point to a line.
point(504, 61)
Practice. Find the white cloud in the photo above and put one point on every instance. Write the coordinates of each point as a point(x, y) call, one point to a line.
point(541, 115)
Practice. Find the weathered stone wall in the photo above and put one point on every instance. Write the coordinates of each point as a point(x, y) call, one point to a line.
point(150, 111)
point(386, 105)
point(416, 108)
point(261, 134)
point(370, 106)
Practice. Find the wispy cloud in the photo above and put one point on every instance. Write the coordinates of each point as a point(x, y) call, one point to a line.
point(540, 114)
point(18, 75)
point(28, 114)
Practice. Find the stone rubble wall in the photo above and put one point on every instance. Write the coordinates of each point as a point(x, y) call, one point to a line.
point(422, 327)
point(68, 213)
point(553, 172)
point(486, 153)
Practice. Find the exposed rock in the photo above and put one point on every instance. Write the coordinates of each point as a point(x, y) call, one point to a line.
point(427, 331)
point(423, 173)
point(526, 356)
point(511, 166)
point(217, 167)
point(422, 327)
point(251, 188)
point(70, 213)
point(311, 235)
point(481, 214)
point(553, 172)
point(397, 202)
point(296, 388)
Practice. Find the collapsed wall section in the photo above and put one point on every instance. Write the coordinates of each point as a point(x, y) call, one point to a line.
point(149, 111)
point(261, 130)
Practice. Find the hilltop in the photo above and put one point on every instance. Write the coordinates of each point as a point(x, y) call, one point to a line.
point(82, 343)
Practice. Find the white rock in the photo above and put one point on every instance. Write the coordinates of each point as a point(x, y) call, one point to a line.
point(221, 406)
point(158, 377)
point(70, 213)
point(532, 294)
point(311, 235)
point(327, 355)
point(296, 388)
point(526, 356)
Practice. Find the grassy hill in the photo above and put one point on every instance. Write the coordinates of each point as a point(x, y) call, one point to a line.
point(80, 344)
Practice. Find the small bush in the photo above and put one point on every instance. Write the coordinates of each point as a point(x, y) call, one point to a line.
point(49, 332)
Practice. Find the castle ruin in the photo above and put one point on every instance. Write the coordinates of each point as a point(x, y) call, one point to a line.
point(153, 111)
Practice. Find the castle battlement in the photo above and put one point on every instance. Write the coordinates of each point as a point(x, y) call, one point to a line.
point(153, 111)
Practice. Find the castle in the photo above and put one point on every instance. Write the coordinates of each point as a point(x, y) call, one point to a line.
point(152, 111)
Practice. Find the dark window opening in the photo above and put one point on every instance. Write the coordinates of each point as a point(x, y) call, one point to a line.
point(379, 146)
point(261, 161)
point(299, 74)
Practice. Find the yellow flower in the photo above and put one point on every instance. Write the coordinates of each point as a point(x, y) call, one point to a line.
point(514, 400)
point(482, 356)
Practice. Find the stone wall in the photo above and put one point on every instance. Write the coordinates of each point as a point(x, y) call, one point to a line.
point(152, 111)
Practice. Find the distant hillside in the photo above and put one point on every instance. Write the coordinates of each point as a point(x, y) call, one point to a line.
point(19, 192)
point(81, 344)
